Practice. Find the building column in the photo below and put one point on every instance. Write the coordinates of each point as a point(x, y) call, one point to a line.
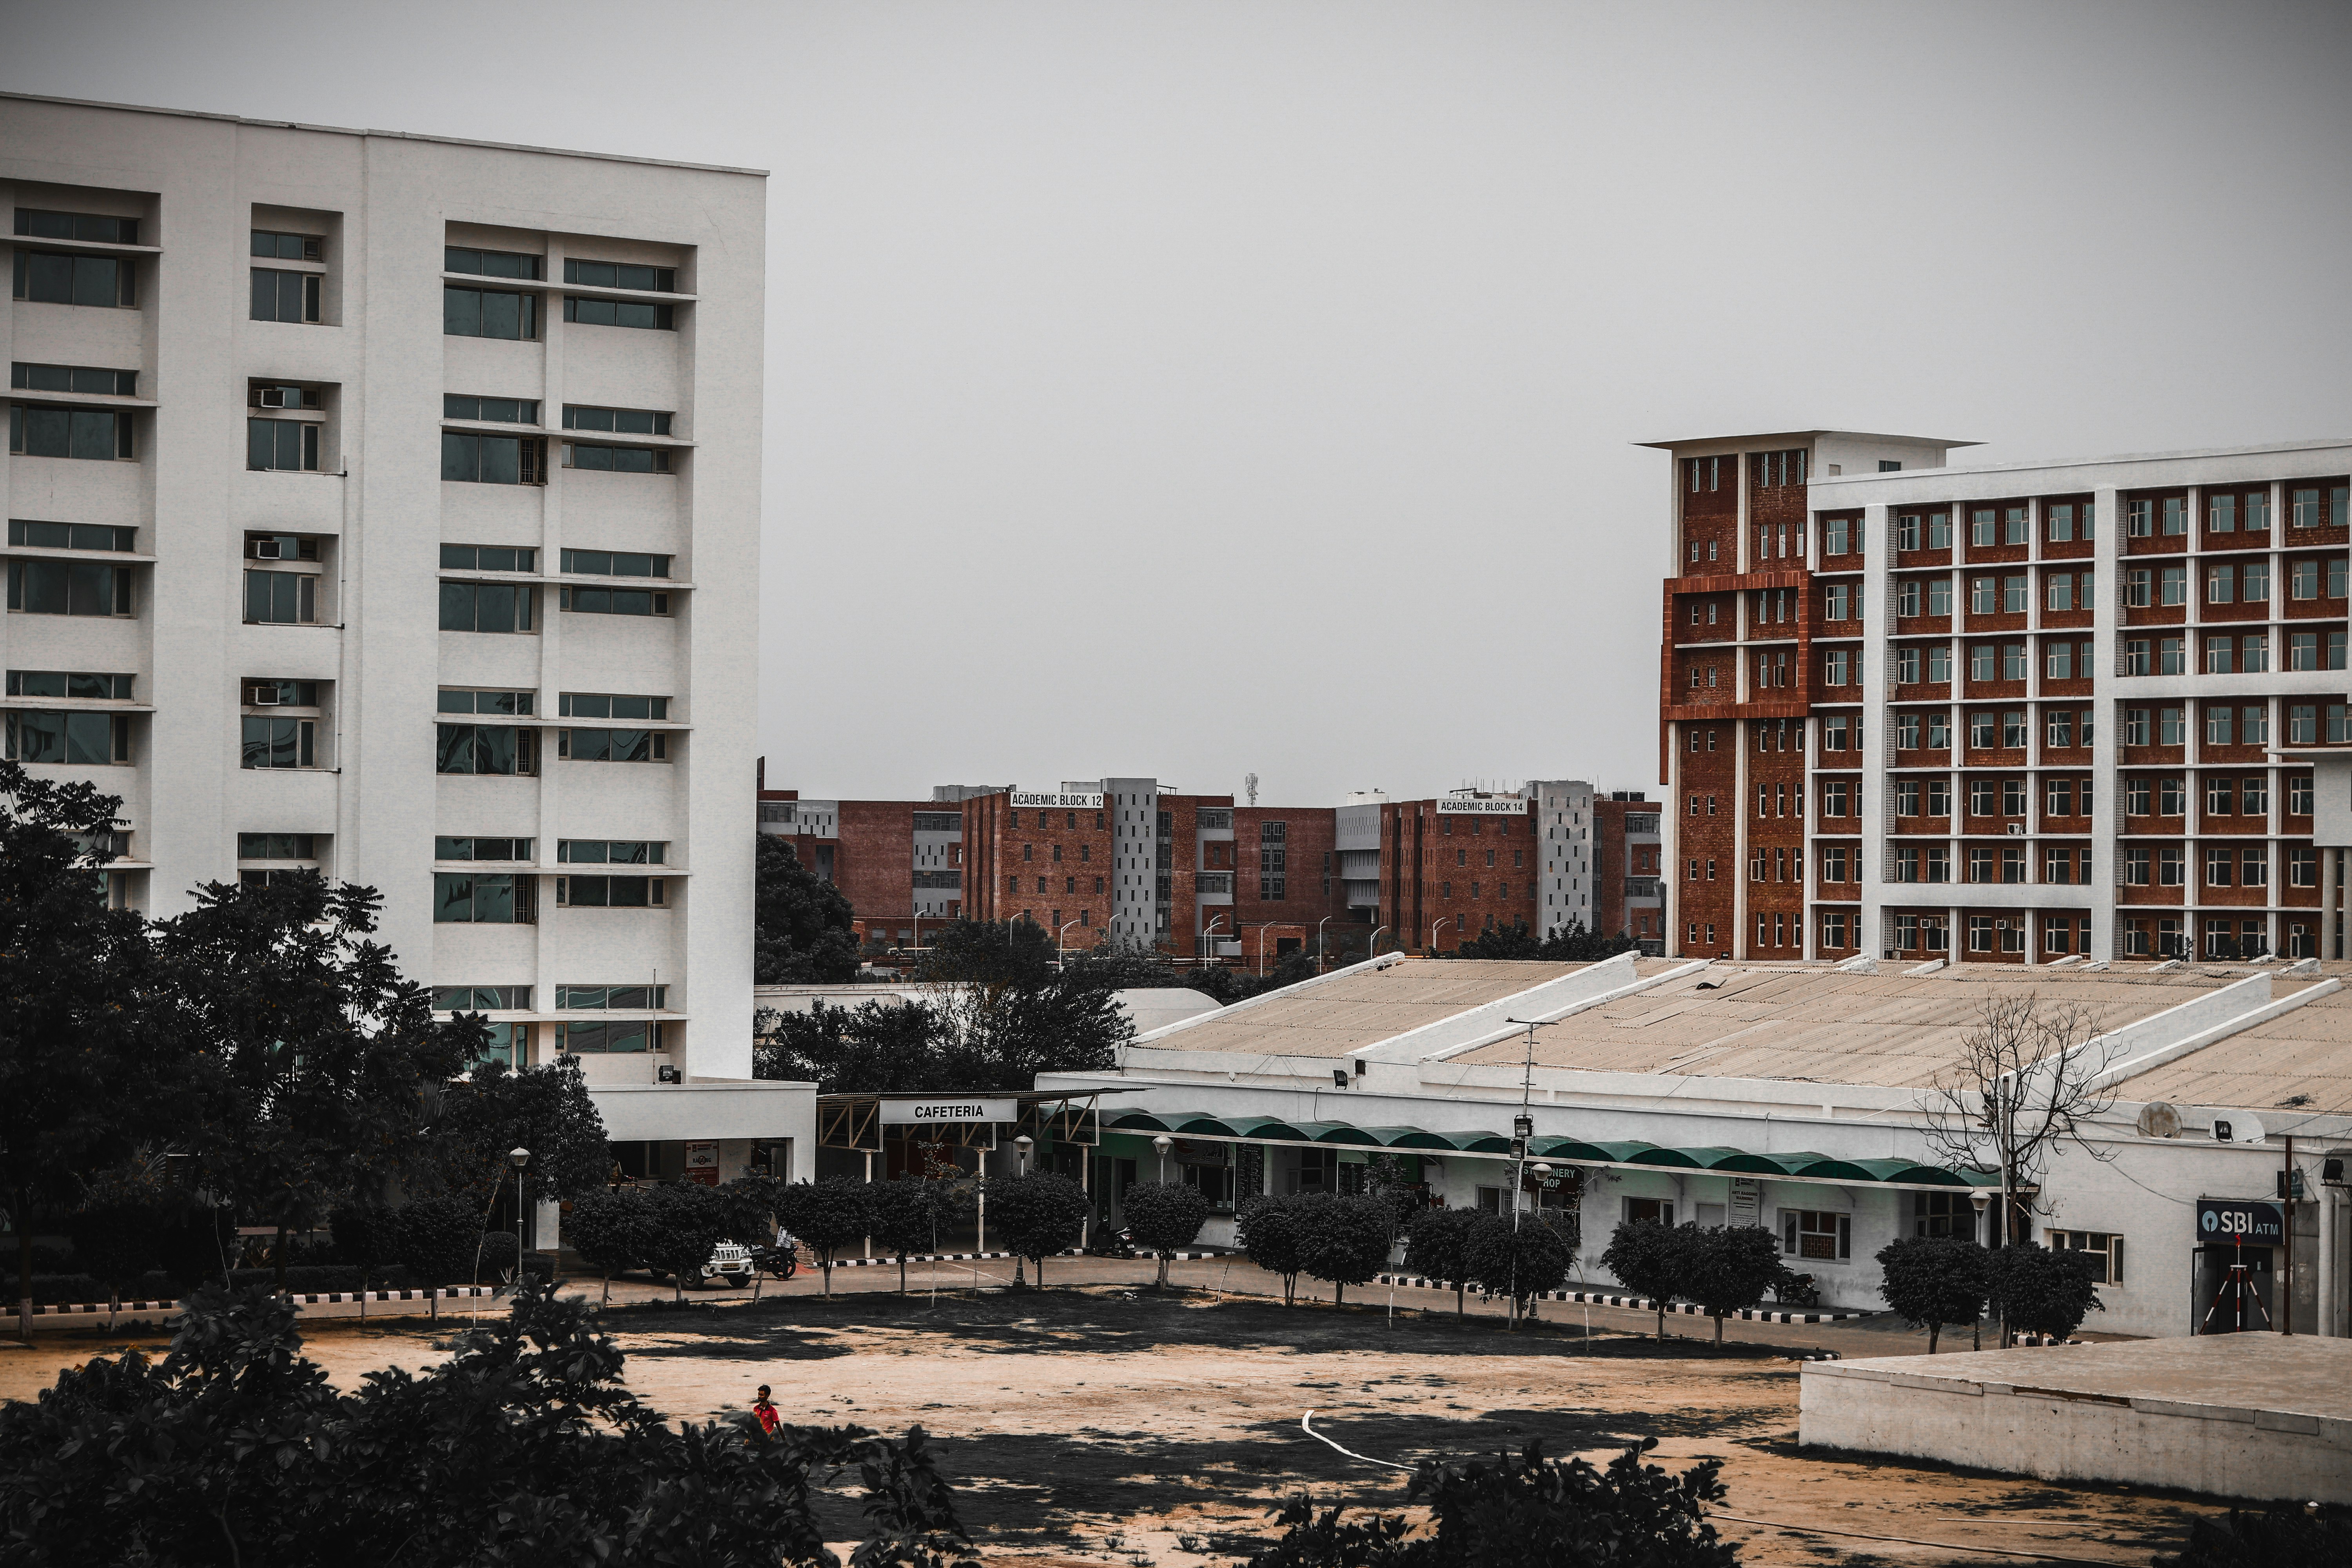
point(2329, 1262)
point(2106, 822)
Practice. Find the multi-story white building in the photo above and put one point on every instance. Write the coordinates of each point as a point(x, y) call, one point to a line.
point(2011, 713)
point(389, 505)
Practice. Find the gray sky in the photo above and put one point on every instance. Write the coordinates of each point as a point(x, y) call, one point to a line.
point(1202, 389)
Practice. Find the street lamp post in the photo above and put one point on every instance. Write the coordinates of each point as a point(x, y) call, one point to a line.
point(518, 1157)
point(1061, 951)
point(1523, 1131)
point(1021, 1146)
point(1372, 947)
point(1432, 930)
point(1163, 1144)
point(1205, 934)
point(1319, 943)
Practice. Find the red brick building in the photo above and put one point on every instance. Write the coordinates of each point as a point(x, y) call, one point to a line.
point(1454, 865)
point(1627, 845)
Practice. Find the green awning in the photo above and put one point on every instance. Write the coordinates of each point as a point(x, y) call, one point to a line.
point(1577, 1151)
point(1339, 1132)
point(1411, 1138)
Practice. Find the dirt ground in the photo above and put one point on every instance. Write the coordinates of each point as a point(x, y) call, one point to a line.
point(1108, 1425)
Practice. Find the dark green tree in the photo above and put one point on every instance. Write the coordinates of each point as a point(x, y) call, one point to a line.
point(1573, 944)
point(1508, 942)
point(1516, 1262)
point(85, 1073)
point(800, 925)
point(367, 1237)
point(1931, 1281)
point(546, 1109)
point(613, 1229)
point(315, 1051)
point(2037, 1290)
point(874, 1048)
point(1039, 1216)
point(1001, 1038)
point(989, 954)
point(1647, 1258)
point(1164, 1216)
point(522, 1447)
point(827, 1216)
point(2286, 1531)
point(1273, 1237)
point(687, 1221)
point(1728, 1268)
point(1343, 1239)
point(1436, 1244)
point(910, 1213)
point(440, 1238)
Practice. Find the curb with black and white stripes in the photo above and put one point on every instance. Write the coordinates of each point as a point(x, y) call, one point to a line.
point(1639, 1303)
point(319, 1298)
point(989, 1256)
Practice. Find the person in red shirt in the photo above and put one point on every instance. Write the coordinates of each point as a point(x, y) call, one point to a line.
point(765, 1409)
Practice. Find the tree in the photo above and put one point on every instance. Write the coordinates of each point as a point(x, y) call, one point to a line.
point(83, 1072)
point(115, 1241)
point(1436, 1243)
point(1163, 1217)
point(685, 1223)
point(826, 1215)
point(799, 924)
point(1516, 1262)
point(1728, 1268)
point(314, 1047)
point(614, 1230)
point(876, 1049)
point(2284, 1532)
point(1646, 1258)
point(988, 955)
point(546, 1109)
point(2027, 1080)
point(910, 1213)
point(1343, 1238)
point(1273, 1237)
point(367, 1237)
point(439, 1239)
point(523, 1446)
point(1003, 1038)
point(2040, 1292)
point(1038, 1215)
point(1507, 941)
point(1931, 1281)
point(1522, 1510)
point(1571, 943)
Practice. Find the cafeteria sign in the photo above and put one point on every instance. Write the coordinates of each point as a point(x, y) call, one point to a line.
point(946, 1112)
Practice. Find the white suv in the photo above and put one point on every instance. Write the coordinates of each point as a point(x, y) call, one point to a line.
point(731, 1264)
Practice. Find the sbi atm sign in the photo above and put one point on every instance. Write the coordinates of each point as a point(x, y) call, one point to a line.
point(2226, 1222)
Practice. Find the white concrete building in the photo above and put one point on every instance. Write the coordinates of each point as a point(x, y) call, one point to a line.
point(390, 505)
point(1788, 1096)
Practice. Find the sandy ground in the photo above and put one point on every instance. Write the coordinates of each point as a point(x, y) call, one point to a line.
point(1109, 1425)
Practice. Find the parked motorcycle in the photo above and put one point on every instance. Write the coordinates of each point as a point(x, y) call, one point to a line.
point(780, 1262)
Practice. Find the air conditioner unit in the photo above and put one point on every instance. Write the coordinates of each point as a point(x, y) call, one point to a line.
point(265, 696)
point(266, 550)
point(2017, 830)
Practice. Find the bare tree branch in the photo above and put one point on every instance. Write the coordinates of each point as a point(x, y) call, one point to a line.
point(2026, 1082)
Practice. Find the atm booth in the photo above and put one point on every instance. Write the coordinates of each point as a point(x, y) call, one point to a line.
point(2236, 1276)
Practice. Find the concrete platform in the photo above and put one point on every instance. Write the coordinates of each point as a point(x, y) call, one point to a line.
point(2236, 1416)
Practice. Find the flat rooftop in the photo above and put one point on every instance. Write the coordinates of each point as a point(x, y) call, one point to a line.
point(2301, 1061)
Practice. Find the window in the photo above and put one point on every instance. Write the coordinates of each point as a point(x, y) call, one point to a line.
point(288, 445)
point(70, 535)
point(490, 410)
point(94, 229)
point(485, 749)
point(2172, 656)
point(2255, 868)
point(613, 601)
point(613, 563)
point(1943, 1214)
point(481, 849)
point(617, 313)
point(100, 434)
point(2221, 584)
point(69, 588)
point(613, 745)
point(2139, 587)
point(2171, 727)
point(620, 275)
point(1984, 593)
point(270, 742)
point(610, 851)
point(280, 598)
point(49, 277)
point(2102, 1250)
point(2302, 867)
point(486, 606)
point(508, 702)
point(489, 314)
point(2172, 585)
point(615, 460)
point(2303, 650)
point(270, 692)
point(2014, 592)
point(81, 378)
point(2298, 796)
point(468, 898)
point(2134, 865)
point(280, 295)
point(2302, 724)
point(2171, 866)
point(2218, 864)
point(2171, 796)
point(609, 892)
point(2254, 653)
point(649, 422)
point(2176, 516)
point(593, 705)
point(489, 263)
point(2058, 661)
point(481, 998)
point(2012, 661)
point(492, 459)
point(2013, 525)
point(609, 1037)
point(2256, 794)
point(276, 846)
point(1980, 662)
point(1819, 1235)
point(85, 739)
point(70, 684)
point(488, 558)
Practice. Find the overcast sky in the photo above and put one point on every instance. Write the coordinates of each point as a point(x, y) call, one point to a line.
point(1196, 390)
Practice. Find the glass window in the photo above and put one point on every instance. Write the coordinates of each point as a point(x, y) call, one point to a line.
point(70, 535)
point(598, 705)
point(69, 588)
point(615, 601)
point(609, 892)
point(280, 598)
point(74, 739)
point(489, 314)
point(470, 898)
point(589, 312)
point(620, 421)
point(270, 742)
point(94, 380)
point(488, 558)
point(491, 460)
point(1818, 1236)
point(48, 278)
point(276, 846)
point(2103, 1251)
point(282, 296)
point(620, 275)
point(489, 263)
point(615, 460)
point(291, 444)
point(508, 702)
point(486, 606)
point(613, 745)
point(100, 434)
point(490, 410)
point(481, 849)
point(485, 749)
point(70, 684)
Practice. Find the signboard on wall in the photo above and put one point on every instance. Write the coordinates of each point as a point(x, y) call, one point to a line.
point(1059, 802)
point(2223, 1222)
point(702, 1163)
point(946, 1112)
point(1468, 806)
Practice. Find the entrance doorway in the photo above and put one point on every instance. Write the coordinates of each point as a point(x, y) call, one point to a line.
point(2235, 1291)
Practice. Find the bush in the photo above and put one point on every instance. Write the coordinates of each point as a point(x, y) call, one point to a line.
point(301, 1278)
point(1646, 1258)
point(2038, 1291)
point(436, 1237)
point(1521, 1262)
point(1522, 1510)
point(1435, 1243)
point(1273, 1237)
point(1931, 1281)
point(367, 1237)
point(2281, 1533)
point(827, 1216)
point(686, 1221)
point(1039, 1215)
point(910, 1213)
point(117, 1243)
point(1728, 1268)
point(1163, 1217)
point(1343, 1238)
point(612, 1230)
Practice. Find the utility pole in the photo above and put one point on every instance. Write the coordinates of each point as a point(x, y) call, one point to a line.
point(1523, 1128)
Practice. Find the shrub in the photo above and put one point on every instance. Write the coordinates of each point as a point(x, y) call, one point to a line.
point(1519, 1263)
point(438, 1236)
point(1646, 1258)
point(612, 1230)
point(1163, 1217)
point(828, 1216)
point(1039, 1215)
point(910, 1213)
point(1522, 1510)
point(2039, 1291)
point(116, 1243)
point(1273, 1237)
point(685, 1223)
point(1436, 1243)
point(1931, 1281)
point(1343, 1238)
point(1728, 1268)
point(2319, 1537)
point(367, 1237)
